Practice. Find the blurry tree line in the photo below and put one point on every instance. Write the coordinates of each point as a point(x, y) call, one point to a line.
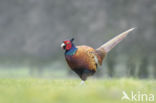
point(31, 32)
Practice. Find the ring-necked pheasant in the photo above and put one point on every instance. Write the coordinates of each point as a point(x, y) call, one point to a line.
point(84, 60)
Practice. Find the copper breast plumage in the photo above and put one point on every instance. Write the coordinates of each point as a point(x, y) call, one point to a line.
point(83, 58)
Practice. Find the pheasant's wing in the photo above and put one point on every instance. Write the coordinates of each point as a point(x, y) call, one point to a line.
point(87, 57)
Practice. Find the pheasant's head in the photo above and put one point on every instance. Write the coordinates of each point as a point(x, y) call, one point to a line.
point(67, 44)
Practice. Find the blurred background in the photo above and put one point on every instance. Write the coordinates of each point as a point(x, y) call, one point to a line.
point(31, 32)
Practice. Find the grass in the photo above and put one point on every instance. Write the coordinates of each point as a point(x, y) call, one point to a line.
point(69, 91)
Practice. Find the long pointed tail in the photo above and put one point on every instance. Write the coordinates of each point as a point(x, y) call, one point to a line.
point(113, 42)
point(105, 48)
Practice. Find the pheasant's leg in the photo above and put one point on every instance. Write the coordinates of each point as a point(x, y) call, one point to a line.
point(83, 78)
point(82, 82)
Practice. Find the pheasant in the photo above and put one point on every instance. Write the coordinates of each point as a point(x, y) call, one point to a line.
point(84, 60)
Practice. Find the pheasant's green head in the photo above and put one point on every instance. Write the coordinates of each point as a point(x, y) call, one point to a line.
point(67, 44)
point(69, 47)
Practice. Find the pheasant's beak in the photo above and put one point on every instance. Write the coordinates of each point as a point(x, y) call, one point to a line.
point(63, 46)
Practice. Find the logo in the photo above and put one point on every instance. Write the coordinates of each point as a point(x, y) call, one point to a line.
point(137, 96)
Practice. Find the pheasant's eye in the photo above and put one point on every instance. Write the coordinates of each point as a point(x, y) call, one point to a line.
point(67, 42)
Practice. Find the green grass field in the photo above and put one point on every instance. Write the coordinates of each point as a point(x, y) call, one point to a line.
point(69, 90)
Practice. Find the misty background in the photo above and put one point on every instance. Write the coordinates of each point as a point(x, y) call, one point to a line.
point(31, 32)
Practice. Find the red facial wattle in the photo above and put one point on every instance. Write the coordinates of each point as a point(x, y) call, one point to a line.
point(68, 45)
